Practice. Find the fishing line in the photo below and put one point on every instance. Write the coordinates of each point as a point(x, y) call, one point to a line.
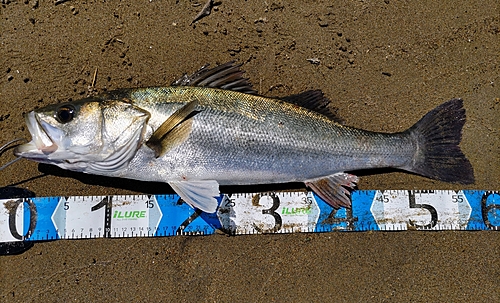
point(6, 147)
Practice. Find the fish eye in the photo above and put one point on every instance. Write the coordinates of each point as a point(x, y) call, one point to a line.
point(65, 113)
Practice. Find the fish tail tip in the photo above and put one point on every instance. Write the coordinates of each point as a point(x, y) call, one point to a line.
point(438, 135)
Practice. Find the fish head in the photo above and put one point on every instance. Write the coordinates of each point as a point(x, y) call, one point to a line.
point(90, 135)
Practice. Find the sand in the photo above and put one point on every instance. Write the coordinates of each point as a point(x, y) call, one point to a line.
point(383, 64)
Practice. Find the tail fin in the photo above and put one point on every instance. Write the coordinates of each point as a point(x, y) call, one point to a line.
point(437, 135)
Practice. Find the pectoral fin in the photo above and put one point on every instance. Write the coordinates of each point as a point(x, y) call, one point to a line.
point(334, 189)
point(174, 130)
point(198, 194)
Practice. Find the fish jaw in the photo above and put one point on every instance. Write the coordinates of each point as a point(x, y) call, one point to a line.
point(41, 144)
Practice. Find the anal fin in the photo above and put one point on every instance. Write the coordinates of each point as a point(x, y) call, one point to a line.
point(334, 189)
point(198, 194)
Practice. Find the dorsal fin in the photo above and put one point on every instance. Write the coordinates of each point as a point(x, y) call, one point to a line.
point(225, 76)
point(314, 100)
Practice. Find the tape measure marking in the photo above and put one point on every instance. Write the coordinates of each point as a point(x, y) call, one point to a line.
point(80, 217)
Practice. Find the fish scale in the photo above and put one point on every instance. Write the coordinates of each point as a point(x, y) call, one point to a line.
point(265, 130)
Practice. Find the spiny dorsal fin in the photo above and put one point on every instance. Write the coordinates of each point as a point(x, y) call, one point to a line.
point(174, 130)
point(225, 76)
point(314, 100)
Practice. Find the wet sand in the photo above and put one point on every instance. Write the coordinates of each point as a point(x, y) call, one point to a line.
point(383, 64)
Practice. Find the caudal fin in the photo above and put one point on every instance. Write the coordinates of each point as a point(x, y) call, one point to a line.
point(438, 135)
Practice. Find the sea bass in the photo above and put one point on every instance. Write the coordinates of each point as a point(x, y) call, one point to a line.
point(211, 128)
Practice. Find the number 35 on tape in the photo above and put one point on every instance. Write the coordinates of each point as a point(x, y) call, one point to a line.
point(51, 218)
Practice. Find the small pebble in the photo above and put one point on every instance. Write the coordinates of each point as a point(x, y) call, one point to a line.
point(322, 21)
point(314, 60)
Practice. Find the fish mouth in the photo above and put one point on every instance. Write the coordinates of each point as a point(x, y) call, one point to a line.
point(41, 143)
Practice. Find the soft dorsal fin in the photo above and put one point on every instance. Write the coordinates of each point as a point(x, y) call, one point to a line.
point(225, 76)
point(314, 100)
point(174, 130)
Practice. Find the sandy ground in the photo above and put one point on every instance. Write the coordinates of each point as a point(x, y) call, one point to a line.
point(383, 63)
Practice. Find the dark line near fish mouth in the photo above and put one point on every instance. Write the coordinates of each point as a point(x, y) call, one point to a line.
point(26, 180)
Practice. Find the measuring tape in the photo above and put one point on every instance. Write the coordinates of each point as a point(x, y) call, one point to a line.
point(84, 217)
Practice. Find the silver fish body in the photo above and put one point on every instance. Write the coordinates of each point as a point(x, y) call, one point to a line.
point(244, 139)
point(195, 138)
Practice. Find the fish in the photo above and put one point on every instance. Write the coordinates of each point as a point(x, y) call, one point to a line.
point(211, 128)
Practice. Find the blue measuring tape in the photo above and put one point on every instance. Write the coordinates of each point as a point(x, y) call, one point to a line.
point(83, 217)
